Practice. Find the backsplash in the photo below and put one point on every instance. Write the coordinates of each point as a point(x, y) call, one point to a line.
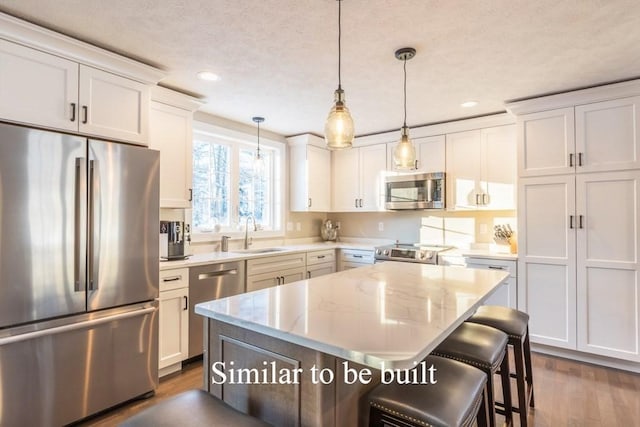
point(457, 228)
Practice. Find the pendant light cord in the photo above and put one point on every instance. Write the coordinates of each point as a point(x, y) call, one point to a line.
point(339, 44)
point(258, 151)
point(405, 92)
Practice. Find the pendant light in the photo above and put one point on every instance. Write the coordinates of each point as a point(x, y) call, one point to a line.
point(258, 161)
point(404, 155)
point(338, 129)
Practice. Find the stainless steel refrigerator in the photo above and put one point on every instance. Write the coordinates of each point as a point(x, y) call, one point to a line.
point(78, 275)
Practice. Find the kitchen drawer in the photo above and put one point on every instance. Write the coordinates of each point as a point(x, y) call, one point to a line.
point(276, 263)
point(174, 279)
point(319, 257)
point(357, 255)
point(492, 264)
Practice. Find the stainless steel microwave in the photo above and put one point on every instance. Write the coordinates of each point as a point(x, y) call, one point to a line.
point(415, 191)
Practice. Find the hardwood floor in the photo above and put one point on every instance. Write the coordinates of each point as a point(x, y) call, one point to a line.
point(567, 393)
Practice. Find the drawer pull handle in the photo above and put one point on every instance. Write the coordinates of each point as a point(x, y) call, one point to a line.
point(496, 267)
point(172, 279)
point(357, 256)
point(209, 275)
point(186, 303)
point(321, 256)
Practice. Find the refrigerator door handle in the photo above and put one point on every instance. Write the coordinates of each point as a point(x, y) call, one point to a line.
point(78, 221)
point(75, 326)
point(92, 271)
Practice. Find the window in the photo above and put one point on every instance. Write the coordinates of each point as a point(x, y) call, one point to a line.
point(227, 189)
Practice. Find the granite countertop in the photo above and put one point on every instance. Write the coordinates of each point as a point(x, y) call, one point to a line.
point(238, 254)
point(392, 313)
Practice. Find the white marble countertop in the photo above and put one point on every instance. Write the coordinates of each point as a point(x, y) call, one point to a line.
point(392, 313)
point(214, 257)
point(480, 253)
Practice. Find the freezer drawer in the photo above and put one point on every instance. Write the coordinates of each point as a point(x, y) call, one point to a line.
point(206, 283)
point(68, 371)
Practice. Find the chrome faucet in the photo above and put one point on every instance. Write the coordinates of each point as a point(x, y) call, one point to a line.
point(247, 241)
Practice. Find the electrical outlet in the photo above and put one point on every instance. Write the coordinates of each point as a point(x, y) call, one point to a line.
point(483, 228)
point(289, 226)
point(298, 226)
point(381, 226)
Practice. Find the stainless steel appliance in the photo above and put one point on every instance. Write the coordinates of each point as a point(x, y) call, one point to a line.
point(410, 252)
point(415, 191)
point(172, 236)
point(78, 275)
point(206, 283)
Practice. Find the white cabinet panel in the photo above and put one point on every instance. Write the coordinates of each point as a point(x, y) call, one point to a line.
point(310, 177)
point(463, 170)
point(170, 132)
point(430, 155)
point(607, 135)
point(38, 88)
point(173, 336)
point(357, 179)
point(112, 106)
point(546, 142)
point(320, 269)
point(548, 293)
point(499, 167)
point(608, 205)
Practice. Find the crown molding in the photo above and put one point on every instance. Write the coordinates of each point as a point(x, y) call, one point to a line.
point(176, 99)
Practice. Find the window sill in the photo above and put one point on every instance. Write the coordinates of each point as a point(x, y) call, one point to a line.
point(214, 237)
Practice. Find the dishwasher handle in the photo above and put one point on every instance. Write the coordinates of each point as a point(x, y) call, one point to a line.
point(211, 274)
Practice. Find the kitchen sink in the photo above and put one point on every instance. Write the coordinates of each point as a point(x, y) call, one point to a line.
point(259, 250)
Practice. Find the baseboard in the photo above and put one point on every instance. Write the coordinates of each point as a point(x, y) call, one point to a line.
point(609, 362)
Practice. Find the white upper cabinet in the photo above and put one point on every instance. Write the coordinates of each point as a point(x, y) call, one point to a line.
point(112, 106)
point(546, 143)
point(357, 178)
point(310, 174)
point(54, 81)
point(38, 88)
point(430, 154)
point(171, 132)
point(481, 168)
point(607, 135)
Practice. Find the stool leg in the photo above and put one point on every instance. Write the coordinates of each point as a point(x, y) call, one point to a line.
point(482, 418)
point(506, 388)
point(527, 365)
point(491, 401)
point(520, 381)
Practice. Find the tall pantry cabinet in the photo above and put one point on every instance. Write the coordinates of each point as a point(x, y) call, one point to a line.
point(579, 219)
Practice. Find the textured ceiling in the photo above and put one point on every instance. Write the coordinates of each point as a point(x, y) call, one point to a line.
point(278, 58)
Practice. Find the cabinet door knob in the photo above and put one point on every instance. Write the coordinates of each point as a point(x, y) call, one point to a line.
point(73, 111)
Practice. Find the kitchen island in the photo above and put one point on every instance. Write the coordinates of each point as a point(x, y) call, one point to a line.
point(307, 352)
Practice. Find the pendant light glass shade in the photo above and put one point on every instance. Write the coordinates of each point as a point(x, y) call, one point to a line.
point(338, 129)
point(258, 160)
point(404, 154)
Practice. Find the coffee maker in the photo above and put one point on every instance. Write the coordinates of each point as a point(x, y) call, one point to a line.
point(172, 237)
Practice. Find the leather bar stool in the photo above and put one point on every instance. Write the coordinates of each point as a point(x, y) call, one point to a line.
point(516, 325)
point(486, 349)
point(193, 408)
point(457, 399)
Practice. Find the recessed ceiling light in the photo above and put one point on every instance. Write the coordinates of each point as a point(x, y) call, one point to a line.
point(209, 76)
point(469, 104)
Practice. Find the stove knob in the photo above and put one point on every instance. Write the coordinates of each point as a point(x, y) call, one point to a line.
point(378, 252)
point(386, 252)
point(421, 255)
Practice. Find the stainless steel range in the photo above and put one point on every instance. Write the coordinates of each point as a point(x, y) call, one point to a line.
point(410, 252)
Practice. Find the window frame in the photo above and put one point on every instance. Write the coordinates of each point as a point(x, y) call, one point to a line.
point(238, 140)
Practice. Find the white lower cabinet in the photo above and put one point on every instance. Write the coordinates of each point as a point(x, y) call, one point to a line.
point(321, 262)
point(265, 272)
point(506, 294)
point(354, 258)
point(578, 261)
point(173, 336)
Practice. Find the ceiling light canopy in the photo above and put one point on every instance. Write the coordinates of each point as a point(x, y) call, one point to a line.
point(404, 155)
point(208, 76)
point(258, 160)
point(338, 129)
point(469, 104)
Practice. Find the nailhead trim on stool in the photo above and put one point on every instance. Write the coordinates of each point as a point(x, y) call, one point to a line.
point(457, 398)
point(485, 348)
point(516, 325)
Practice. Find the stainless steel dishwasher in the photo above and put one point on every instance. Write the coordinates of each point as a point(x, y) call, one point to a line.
point(208, 282)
